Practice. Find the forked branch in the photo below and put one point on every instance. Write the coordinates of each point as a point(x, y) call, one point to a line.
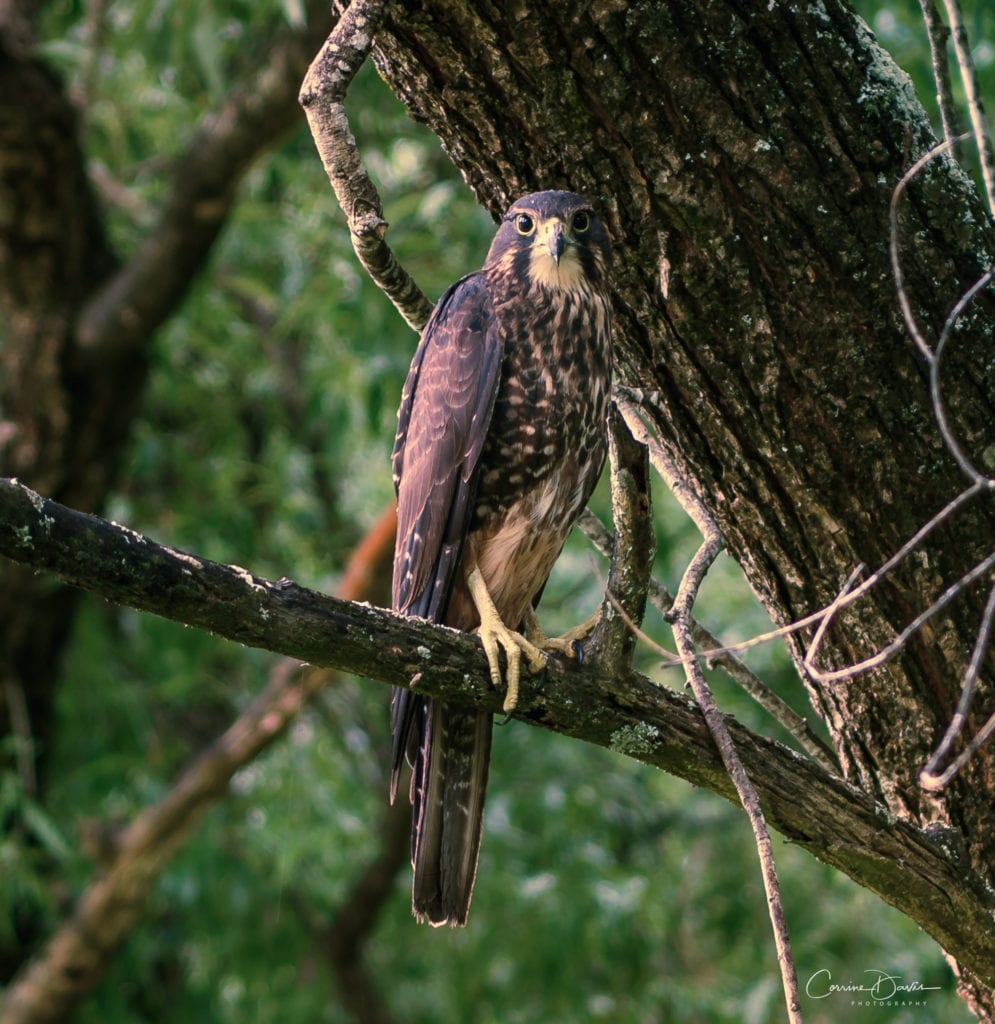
point(323, 98)
point(682, 623)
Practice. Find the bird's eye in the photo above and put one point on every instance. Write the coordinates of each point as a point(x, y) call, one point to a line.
point(581, 221)
point(524, 224)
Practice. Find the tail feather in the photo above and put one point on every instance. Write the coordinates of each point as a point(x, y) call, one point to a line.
point(448, 788)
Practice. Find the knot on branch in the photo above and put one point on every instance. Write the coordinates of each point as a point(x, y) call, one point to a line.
point(366, 220)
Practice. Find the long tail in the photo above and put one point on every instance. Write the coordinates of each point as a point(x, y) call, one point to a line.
point(450, 748)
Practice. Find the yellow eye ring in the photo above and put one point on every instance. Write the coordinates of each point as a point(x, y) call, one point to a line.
point(581, 221)
point(524, 224)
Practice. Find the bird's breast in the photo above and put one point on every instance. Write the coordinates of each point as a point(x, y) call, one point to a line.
point(547, 436)
point(544, 450)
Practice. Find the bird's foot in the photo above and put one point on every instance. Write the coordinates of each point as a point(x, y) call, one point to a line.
point(569, 644)
point(494, 635)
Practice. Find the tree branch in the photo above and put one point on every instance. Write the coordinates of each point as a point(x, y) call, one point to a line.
point(137, 298)
point(937, 33)
point(76, 957)
point(975, 110)
point(633, 544)
point(612, 707)
point(322, 96)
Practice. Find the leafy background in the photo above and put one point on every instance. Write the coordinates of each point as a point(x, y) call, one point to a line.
point(606, 890)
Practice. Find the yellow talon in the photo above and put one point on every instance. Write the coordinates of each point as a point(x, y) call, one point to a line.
point(495, 634)
point(559, 644)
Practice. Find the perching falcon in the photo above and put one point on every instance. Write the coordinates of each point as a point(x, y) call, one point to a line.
point(501, 438)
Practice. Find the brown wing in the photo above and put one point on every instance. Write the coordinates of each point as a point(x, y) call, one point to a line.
point(445, 411)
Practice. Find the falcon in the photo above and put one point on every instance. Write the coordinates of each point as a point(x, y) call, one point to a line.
point(501, 438)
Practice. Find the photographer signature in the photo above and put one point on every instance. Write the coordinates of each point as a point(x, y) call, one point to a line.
point(882, 986)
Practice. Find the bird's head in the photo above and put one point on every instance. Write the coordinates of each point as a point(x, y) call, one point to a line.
point(554, 241)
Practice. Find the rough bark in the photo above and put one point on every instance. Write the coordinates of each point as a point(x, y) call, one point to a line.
point(744, 157)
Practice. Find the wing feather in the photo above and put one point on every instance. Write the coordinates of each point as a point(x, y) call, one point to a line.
point(445, 412)
point(442, 424)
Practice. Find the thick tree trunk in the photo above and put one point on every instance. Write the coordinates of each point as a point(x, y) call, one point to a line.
point(744, 159)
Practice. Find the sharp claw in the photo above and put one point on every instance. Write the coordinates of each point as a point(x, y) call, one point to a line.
point(514, 645)
point(494, 634)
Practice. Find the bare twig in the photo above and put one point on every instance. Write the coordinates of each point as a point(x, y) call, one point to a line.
point(716, 655)
point(929, 777)
point(322, 96)
point(683, 602)
point(911, 324)
point(975, 110)
point(633, 545)
point(661, 461)
point(932, 357)
point(892, 648)
point(681, 622)
point(937, 33)
point(936, 393)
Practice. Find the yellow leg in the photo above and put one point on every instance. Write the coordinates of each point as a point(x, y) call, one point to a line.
point(494, 634)
point(559, 644)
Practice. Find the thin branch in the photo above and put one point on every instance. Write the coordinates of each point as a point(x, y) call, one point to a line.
point(936, 392)
point(976, 113)
point(905, 305)
point(620, 710)
point(892, 648)
point(322, 96)
point(912, 325)
point(929, 778)
point(937, 33)
point(844, 600)
point(716, 655)
point(633, 545)
point(684, 600)
point(681, 619)
point(662, 462)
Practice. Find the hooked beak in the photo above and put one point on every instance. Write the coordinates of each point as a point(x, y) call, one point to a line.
point(556, 240)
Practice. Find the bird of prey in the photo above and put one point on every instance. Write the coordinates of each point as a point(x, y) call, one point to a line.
point(501, 438)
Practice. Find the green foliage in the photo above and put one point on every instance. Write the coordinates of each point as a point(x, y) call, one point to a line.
point(606, 891)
